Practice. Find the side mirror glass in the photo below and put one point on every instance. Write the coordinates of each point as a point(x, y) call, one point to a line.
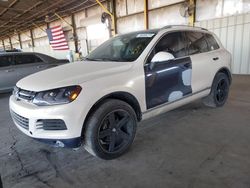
point(161, 57)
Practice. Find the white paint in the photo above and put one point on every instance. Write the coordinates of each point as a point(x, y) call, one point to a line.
point(162, 56)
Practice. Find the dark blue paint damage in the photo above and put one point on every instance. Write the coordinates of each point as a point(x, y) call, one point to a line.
point(168, 81)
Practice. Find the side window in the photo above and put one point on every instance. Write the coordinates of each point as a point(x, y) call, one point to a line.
point(196, 42)
point(37, 59)
point(173, 43)
point(26, 59)
point(212, 43)
point(6, 61)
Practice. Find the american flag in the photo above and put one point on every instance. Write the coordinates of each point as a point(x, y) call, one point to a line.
point(57, 38)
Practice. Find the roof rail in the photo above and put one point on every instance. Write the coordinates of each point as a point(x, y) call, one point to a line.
point(171, 26)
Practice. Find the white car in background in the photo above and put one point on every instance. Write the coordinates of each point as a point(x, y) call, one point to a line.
point(127, 79)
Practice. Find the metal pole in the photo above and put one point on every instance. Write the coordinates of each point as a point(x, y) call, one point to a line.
point(64, 21)
point(146, 14)
point(114, 13)
point(11, 46)
point(112, 16)
point(74, 33)
point(191, 18)
point(20, 41)
point(32, 38)
point(3, 45)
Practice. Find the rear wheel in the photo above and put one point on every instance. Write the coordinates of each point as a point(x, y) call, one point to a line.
point(110, 129)
point(219, 91)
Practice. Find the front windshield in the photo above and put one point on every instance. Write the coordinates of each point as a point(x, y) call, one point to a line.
point(122, 48)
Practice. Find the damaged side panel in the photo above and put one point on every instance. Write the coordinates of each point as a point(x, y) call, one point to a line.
point(168, 81)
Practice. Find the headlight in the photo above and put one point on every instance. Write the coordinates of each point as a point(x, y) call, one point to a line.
point(57, 96)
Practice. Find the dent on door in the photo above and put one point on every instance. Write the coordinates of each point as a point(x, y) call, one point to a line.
point(168, 81)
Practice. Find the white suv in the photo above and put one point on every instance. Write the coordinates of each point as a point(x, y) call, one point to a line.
point(127, 79)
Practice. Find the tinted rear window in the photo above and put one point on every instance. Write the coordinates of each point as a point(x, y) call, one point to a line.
point(5, 61)
point(197, 43)
point(212, 43)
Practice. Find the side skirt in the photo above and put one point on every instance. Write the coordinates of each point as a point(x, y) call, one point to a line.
point(175, 104)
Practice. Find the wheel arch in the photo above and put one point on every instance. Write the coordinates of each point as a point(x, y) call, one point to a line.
point(120, 95)
point(226, 71)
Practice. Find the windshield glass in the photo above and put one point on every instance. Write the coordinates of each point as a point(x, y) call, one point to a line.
point(122, 48)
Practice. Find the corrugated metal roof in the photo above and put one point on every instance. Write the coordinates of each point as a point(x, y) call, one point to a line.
point(20, 15)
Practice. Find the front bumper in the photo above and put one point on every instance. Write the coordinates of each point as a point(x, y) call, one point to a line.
point(29, 113)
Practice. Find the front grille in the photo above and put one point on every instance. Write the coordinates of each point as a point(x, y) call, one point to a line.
point(20, 120)
point(22, 94)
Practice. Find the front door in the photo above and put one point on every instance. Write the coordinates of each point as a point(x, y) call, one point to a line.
point(170, 80)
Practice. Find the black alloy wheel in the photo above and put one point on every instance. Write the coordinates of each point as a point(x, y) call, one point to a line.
point(116, 131)
point(221, 91)
point(110, 129)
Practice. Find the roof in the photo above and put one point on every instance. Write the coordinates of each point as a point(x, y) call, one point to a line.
point(21, 15)
point(183, 27)
point(19, 53)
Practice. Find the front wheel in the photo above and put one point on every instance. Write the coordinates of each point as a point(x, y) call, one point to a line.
point(219, 91)
point(110, 129)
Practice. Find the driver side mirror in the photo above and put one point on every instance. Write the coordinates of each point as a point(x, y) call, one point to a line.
point(160, 57)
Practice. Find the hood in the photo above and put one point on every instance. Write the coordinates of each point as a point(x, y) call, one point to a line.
point(71, 74)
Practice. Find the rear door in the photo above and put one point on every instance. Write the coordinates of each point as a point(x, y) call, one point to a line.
point(202, 60)
point(8, 74)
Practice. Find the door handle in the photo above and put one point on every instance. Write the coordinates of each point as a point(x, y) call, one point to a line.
point(9, 70)
point(215, 58)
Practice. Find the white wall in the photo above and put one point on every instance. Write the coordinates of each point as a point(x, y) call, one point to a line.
point(206, 10)
point(230, 21)
point(130, 16)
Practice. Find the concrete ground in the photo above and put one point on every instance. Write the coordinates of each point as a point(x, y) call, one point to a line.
point(194, 146)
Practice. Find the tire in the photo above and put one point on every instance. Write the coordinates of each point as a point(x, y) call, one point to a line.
point(110, 129)
point(219, 91)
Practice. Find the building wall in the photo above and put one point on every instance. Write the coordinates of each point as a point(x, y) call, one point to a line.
point(130, 16)
point(90, 31)
point(207, 10)
point(234, 33)
point(230, 21)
